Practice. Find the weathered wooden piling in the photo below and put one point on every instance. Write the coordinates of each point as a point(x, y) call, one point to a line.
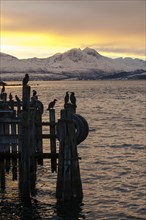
point(24, 162)
point(14, 149)
point(53, 139)
point(2, 167)
point(26, 97)
point(7, 146)
point(69, 186)
point(4, 97)
point(38, 136)
point(32, 151)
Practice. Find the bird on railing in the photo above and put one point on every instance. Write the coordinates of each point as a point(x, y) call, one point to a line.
point(25, 79)
point(73, 98)
point(51, 104)
point(3, 89)
point(66, 98)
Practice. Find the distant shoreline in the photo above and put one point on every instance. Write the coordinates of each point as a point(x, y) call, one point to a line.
point(34, 82)
point(18, 85)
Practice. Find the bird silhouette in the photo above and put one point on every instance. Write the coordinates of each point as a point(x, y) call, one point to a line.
point(17, 98)
point(25, 79)
point(66, 98)
point(34, 95)
point(73, 98)
point(3, 89)
point(51, 104)
point(10, 96)
point(34, 92)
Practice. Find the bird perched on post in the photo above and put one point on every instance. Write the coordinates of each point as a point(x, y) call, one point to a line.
point(51, 104)
point(66, 98)
point(25, 79)
point(34, 95)
point(73, 98)
point(17, 98)
point(3, 89)
point(10, 96)
point(34, 92)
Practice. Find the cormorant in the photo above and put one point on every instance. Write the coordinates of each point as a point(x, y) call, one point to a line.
point(34, 96)
point(17, 98)
point(73, 98)
point(66, 98)
point(34, 92)
point(51, 104)
point(25, 79)
point(3, 89)
point(10, 96)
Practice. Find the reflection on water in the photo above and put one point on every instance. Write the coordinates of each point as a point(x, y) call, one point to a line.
point(113, 156)
point(69, 211)
point(66, 211)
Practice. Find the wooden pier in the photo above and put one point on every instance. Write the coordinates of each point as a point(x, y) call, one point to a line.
point(21, 145)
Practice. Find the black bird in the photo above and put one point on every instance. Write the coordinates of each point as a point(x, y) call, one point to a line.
point(25, 79)
point(51, 104)
point(34, 95)
point(66, 98)
point(34, 92)
point(10, 96)
point(17, 98)
point(3, 89)
point(73, 98)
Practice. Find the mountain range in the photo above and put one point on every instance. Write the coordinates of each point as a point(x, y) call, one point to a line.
point(75, 64)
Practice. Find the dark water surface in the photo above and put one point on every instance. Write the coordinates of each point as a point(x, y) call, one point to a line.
point(113, 156)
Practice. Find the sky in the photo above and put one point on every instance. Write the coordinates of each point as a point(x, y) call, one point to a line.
point(42, 28)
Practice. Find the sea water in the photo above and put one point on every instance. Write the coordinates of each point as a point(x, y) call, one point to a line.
point(113, 155)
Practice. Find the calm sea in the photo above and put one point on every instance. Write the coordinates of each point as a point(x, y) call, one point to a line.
point(113, 155)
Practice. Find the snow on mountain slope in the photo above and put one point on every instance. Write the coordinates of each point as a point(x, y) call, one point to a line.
point(132, 63)
point(74, 63)
point(86, 60)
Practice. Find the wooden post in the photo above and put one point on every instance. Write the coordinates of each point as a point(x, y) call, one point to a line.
point(26, 97)
point(2, 168)
point(4, 97)
point(24, 163)
point(24, 166)
point(52, 139)
point(7, 145)
point(61, 133)
point(32, 151)
point(6, 132)
point(69, 186)
point(14, 150)
point(38, 129)
point(77, 192)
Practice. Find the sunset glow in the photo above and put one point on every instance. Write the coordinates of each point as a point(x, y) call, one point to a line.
point(31, 33)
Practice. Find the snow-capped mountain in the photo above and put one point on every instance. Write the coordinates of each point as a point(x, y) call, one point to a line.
point(73, 64)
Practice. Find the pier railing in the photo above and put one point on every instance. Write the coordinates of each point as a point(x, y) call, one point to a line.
point(21, 145)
